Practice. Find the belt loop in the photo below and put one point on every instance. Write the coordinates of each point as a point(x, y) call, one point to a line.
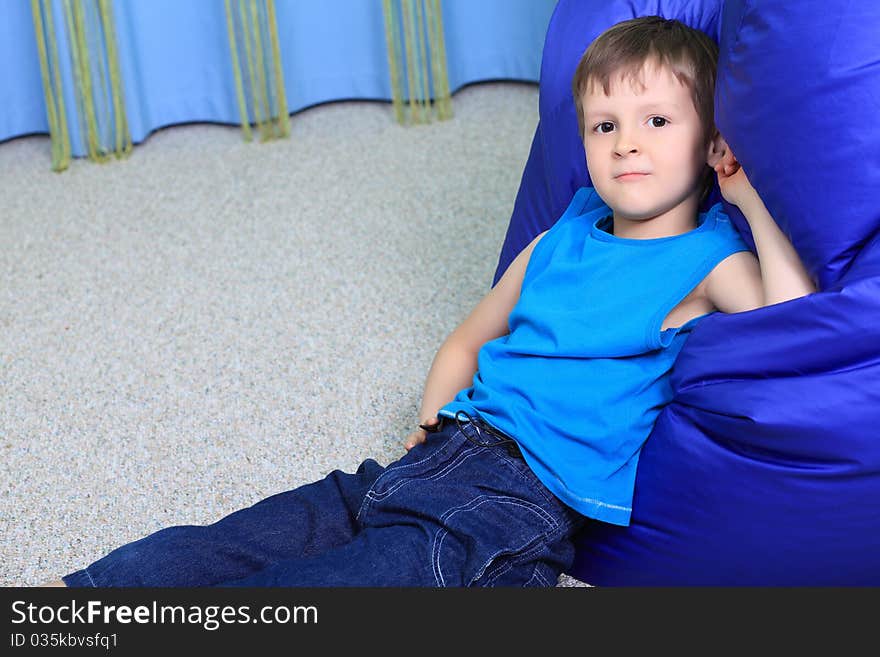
point(481, 426)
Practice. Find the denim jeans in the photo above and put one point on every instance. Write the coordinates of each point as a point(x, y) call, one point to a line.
point(460, 509)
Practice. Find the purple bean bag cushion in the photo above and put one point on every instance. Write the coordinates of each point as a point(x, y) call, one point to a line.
point(765, 467)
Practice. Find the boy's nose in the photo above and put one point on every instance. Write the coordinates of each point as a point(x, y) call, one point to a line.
point(626, 149)
point(625, 145)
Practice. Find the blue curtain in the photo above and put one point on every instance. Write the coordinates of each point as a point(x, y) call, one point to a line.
point(175, 62)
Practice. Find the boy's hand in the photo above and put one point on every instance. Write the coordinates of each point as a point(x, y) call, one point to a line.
point(420, 434)
point(732, 180)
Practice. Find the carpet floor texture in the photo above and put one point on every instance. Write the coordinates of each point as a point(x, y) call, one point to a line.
point(170, 323)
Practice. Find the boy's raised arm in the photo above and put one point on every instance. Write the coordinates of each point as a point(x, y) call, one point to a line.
point(782, 274)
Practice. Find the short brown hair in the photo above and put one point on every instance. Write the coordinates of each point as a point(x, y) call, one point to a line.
point(624, 48)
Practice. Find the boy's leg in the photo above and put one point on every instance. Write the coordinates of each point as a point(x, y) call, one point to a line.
point(296, 523)
point(405, 555)
point(451, 513)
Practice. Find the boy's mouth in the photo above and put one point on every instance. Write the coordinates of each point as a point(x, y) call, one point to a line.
point(631, 176)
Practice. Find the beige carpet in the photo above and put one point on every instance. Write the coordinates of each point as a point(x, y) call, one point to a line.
point(170, 322)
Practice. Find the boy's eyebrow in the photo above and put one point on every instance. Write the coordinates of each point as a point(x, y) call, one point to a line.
point(647, 106)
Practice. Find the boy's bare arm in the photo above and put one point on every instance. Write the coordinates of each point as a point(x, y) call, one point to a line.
point(742, 282)
point(455, 363)
point(782, 273)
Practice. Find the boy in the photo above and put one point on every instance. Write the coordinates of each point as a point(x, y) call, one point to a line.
point(536, 406)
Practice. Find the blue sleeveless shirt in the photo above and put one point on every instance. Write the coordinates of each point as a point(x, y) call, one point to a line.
point(583, 373)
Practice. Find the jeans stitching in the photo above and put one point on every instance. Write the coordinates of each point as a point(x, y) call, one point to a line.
point(479, 426)
point(538, 576)
point(435, 559)
point(456, 462)
point(441, 533)
point(568, 526)
point(375, 496)
point(369, 498)
point(411, 465)
point(520, 467)
point(534, 578)
point(516, 560)
point(511, 562)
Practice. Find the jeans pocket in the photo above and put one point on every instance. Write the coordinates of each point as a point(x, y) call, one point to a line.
point(491, 531)
point(537, 566)
point(428, 460)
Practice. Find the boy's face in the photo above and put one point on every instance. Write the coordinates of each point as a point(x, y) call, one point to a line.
point(655, 131)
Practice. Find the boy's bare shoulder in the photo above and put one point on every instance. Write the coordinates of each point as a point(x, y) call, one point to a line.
point(521, 261)
point(537, 239)
point(734, 285)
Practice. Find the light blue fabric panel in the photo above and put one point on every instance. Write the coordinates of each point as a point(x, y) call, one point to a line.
point(495, 39)
point(175, 60)
point(333, 50)
point(22, 107)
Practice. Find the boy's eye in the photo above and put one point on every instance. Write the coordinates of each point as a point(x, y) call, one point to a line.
point(653, 120)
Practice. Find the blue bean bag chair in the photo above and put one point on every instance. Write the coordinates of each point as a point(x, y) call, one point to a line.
point(765, 468)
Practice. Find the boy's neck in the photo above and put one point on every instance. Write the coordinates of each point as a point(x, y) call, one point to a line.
point(676, 221)
point(647, 229)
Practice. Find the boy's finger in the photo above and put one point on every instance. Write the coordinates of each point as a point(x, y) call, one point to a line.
point(412, 443)
point(430, 424)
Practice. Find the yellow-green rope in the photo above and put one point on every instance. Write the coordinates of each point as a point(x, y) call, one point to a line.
point(79, 55)
point(248, 36)
point(420, 22)
point(392, 43)
point(50, 72)
point(443, 100)
point(260, 66)
point(93, 54)
point(123, 145)
point(281, 120)
point(239, 86)
point(253, 23)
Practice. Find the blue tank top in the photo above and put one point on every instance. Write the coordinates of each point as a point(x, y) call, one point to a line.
point(583, 372)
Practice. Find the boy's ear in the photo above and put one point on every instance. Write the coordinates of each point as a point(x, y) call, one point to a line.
point(718, 148)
